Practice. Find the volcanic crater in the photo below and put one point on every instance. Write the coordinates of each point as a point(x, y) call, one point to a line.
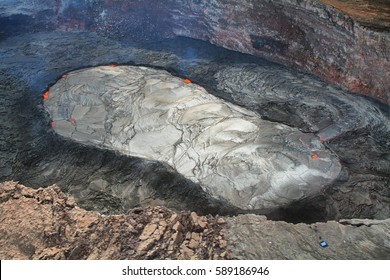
point(144, 118)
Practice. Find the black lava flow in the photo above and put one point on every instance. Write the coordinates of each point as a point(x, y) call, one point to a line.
point(31, 153)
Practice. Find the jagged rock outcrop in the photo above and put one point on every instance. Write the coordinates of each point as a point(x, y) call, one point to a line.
point(47, 224)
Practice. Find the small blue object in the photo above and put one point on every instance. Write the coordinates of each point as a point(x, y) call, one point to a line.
point(323, 244)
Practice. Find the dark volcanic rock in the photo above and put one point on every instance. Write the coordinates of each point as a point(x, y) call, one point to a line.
point(351, 50)
point(23, 16)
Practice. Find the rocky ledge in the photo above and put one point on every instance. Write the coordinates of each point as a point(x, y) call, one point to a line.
point(47, 224)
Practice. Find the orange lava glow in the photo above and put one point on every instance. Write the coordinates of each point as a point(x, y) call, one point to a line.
point(46, 95)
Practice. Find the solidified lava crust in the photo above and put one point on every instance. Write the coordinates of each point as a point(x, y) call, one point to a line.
point(103, 180)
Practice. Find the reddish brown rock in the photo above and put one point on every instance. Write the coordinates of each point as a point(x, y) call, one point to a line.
point(46, 224)
point(371, 13)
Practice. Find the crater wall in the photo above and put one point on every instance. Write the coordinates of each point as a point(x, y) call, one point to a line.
point(342, 42)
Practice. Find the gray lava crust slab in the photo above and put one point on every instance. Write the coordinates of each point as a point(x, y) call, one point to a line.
point(230, 151)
